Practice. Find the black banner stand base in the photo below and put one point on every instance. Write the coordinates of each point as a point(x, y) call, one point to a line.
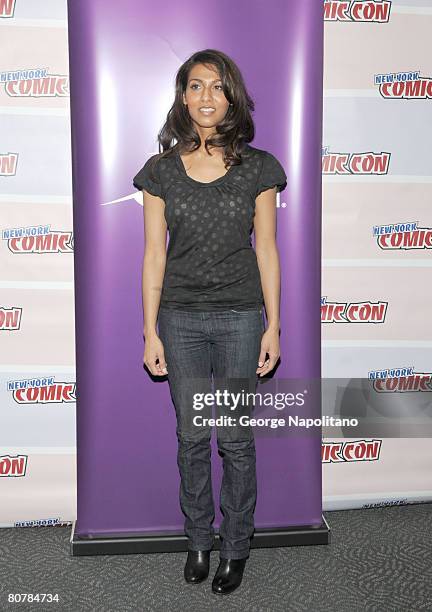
point(176, 541)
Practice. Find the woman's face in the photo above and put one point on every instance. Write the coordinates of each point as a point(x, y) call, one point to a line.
point(204, 96)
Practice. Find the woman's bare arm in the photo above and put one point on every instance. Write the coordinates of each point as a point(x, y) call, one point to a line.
point(269, 267)
point(267, 253)
point(153, 270)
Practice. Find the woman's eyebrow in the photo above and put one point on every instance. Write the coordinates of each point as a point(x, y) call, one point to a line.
point(214, 80)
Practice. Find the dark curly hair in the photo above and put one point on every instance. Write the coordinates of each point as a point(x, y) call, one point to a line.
point(237, 127)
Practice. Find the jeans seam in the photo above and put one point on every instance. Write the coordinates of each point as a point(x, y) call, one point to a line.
point(245, 311)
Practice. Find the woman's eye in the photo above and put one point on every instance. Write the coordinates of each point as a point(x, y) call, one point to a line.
point(195, 85)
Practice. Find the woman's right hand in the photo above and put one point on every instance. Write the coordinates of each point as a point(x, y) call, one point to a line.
point(154, 350)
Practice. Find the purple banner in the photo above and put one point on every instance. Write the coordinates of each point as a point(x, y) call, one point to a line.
point(123, 59)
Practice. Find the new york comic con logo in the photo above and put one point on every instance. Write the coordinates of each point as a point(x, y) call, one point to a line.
point(347, 452)
point(47, 522)
point(353, 312)
point(37, 239)
point(42, 391)
point(13, 466)
point(10, 318)
point(402, 236)
point(400, 380)
point(7, 8)
point(360, 163)
point(377, 11)
point(404, 85)
point(8, 163)
point(34, 83)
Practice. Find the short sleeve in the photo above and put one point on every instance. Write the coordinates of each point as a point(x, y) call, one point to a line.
point(272, 175)
point(148, 178)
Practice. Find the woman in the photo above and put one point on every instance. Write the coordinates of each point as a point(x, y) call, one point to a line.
point(210, 189)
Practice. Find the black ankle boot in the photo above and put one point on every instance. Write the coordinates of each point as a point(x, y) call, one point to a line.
point(228, 575)
point(197, 566)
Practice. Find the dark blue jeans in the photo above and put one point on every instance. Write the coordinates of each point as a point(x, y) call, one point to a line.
point(225, 344)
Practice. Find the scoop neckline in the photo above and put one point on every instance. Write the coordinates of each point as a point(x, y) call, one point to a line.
point(182, 169)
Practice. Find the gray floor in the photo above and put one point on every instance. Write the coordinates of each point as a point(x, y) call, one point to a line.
point(379, 559)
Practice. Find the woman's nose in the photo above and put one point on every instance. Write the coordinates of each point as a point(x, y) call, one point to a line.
point(206, 95)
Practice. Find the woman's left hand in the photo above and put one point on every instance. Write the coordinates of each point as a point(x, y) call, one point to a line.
point(269, 344)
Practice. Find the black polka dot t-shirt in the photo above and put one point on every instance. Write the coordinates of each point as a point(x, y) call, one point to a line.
point(211, 264)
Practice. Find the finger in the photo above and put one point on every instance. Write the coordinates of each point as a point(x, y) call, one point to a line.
point(162, 370)
point(261, 357)
point(149, 366)
point(162, 365)
point(157, 368)
point(264, 365)
point(270, 364)
point(152, 366)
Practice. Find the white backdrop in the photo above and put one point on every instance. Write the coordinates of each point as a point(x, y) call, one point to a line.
point(377, 173)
